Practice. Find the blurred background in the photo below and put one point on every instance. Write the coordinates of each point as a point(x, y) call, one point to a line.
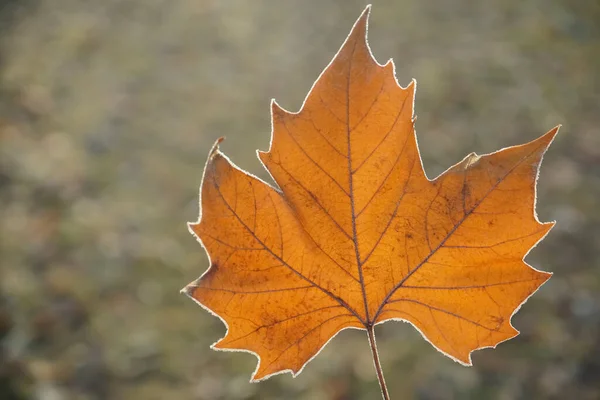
point(107, 112)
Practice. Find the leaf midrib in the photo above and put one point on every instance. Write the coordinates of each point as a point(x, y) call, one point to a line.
point(351, 192)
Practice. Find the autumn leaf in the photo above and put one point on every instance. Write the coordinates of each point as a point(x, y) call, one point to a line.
point(356, 234)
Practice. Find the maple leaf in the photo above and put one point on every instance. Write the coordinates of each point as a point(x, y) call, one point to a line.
point(357, 234)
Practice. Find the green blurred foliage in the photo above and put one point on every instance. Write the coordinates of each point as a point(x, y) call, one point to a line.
point(108, 109)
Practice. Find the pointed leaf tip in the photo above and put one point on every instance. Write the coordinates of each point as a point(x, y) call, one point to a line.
point(554, 131)
point(359, 29)
point(366, 12)
point(276, 109)
point(215, 148)
point(549, 136)
point(188, 290)
point(543, 142)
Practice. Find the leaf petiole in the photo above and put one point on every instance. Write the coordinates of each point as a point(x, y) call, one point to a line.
point(380, 377)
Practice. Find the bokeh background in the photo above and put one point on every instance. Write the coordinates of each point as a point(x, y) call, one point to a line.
point(107, 112)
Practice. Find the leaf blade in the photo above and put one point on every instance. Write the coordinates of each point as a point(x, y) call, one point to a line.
point(358, 234)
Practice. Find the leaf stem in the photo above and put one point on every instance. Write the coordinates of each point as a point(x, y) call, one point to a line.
point(382, 385)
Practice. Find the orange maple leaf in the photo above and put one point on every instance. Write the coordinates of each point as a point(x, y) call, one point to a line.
point(357, 234)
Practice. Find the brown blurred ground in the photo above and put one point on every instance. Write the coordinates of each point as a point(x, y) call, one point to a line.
point(108, 109)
